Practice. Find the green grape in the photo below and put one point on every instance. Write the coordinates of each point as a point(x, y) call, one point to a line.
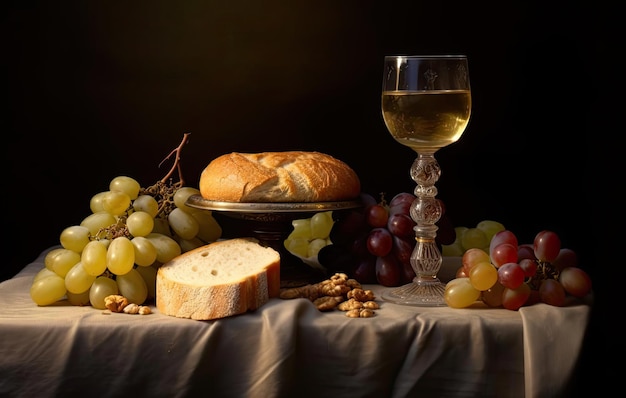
point(120, 256)
point(61, 261)
point(301, 229)
point(321, 224)
point(181, 195)
point(209, 230)
point(453, 250)
point(96, 221)
point(140, 223)
point(133, 287)
point(94, 258)
point(490, 228)
point(116, 202)
point(78, 299)
point(101, 288)
point(483, 275)
point(162, 226)
point(297, 246)
point(459, 293)
point(314, 247)
point(75, 238)
point(474, 238)
point(459, 231)
point(167, 248)
point(183, 224)
point(190, 244)
point(145, 252)
point(149, 276)
point(146, 203)
point(44, 273)
point(125, 184)
point(78, 280)
point(47, 290)
point(95, 204)
point(49, 257)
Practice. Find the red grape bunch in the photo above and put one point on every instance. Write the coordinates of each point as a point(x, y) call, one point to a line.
point(513, 275)
point(373, 244)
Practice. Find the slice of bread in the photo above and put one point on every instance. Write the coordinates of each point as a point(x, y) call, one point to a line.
point(221, 279)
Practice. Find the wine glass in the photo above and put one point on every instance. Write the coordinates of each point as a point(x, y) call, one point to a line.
point(426, 105)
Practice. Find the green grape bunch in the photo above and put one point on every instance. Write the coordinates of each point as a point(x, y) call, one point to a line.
point(310, 235)
point(118, 248)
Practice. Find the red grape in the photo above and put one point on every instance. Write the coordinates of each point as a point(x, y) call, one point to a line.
point(376, 216)
point(493, 296)
point(565, 258)
point(401, 225)
point(513, 299)
point(407, 273)
point(472, 257)
point(365, 270)
point(504, 236)
point(533, 298)
point(529, 266)
point(348, 226)
point(359, 247)
point(575, 281)
point(503, 253)
point(367, 199)
point(511, 275)
point(388, 270)
point(551, 292)
point(403, 249)
point(401, 203)
point(525, 251)
point(379, 242)
point(547, 245)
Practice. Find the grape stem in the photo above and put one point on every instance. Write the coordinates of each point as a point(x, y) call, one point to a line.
point(163, 191)
point(545, 271)
point(176, 165)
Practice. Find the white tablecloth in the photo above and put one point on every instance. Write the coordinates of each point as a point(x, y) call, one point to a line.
point(287, 348)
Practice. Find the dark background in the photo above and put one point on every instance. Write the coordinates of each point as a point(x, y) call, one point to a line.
point(95, 90)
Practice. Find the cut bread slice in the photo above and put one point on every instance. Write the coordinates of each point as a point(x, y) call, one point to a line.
point(221, 279)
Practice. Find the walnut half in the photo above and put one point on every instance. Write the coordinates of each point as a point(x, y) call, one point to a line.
point(115, 302)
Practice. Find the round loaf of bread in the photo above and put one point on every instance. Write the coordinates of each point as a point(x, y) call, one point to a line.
point(290, 176)
point(218, 280)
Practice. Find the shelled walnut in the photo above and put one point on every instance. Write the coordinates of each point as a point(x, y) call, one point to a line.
point(360, 313)
point(119, 303)
point(327, 303)
point(338, 292)
point(115, 302)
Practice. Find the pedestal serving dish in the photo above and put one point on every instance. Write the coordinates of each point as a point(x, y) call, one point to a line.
point(270, 223)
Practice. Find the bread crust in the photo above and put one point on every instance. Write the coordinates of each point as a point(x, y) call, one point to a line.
point(290, 176)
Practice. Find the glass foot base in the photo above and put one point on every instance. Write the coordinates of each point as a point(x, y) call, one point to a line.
point(428, 294)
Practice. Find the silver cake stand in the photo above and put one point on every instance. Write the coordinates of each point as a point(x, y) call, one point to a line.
point(270, 224)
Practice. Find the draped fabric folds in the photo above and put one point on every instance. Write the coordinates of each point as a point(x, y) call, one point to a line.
point(287, 348)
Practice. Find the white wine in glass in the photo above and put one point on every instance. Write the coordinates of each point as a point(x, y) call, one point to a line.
point(426, 105)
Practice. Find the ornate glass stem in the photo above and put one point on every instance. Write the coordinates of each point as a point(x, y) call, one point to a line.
point(426, 288)
point(426, 211)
